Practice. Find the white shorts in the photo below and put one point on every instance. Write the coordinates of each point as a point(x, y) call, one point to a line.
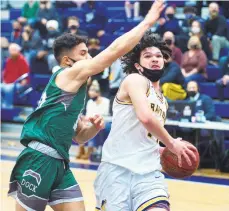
point(119, 189)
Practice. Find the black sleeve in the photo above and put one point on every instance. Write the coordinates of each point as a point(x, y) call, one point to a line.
point(222, 27)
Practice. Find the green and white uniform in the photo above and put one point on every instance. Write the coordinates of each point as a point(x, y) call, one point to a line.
point(41, 175)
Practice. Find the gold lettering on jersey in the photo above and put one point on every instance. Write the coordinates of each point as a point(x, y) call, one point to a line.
point(156, 109)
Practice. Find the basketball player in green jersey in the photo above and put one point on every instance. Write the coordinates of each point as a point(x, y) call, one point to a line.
point(41, 174)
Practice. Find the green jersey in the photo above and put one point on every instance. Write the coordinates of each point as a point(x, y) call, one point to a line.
point(55, 120)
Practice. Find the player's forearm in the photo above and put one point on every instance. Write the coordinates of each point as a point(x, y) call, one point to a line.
point(86, 134)
point(129, 40)
point(155, 127)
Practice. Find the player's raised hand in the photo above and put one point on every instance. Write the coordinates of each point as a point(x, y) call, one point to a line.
point(97, 121)
point(181, 149)
point(154, 12)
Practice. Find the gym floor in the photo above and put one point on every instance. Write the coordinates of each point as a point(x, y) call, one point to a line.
point(207, 190)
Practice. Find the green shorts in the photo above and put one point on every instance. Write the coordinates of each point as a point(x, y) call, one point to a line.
point(38, 179)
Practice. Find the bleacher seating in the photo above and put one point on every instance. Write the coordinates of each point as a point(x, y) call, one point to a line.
point(116, 26)
point(213, 72)
point(15, 13)
point(222, 109)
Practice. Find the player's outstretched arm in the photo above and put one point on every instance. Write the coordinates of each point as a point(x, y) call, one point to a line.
point(145, 115)
point(122, 45)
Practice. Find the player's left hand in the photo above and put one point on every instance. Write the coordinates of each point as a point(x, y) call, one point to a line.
point(97, 121)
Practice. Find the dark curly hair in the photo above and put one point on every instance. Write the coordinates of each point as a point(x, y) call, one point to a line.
point(148, 40)
point(65, 43)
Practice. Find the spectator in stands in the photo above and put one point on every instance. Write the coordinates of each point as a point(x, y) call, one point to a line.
point(190, 16)
point(4, 51)
point(16, 34)
point(29, 12)
point(15, 67)
point(96, 18)
point(95, 105)
point(73, 26)
point(53, 32)
point(45, 13)
point(196, 29)
point(31, 44)
point(169, 22)
point(172, 81)
point(169, 38)
point(217, 30)
point(224, 81)
point(132, 5)
point(203, 102)
point(194, 61)
point(94, 47)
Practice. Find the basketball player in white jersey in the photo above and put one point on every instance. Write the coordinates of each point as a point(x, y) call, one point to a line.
point(129, 177)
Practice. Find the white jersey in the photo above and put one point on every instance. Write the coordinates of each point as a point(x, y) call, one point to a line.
point(129, 144)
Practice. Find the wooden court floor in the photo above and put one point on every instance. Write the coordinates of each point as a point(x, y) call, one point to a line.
point(185, 195)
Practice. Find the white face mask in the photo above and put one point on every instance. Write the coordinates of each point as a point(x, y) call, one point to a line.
point(195, 30)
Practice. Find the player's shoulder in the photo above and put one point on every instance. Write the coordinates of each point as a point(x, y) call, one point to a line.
point(135, 78)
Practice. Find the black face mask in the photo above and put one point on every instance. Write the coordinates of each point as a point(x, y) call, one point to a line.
point(73, 60)
point(168, 42)
point(194, 47)
point(170, 16)
point(94, 98)
point(191, 93)
point(73, 27)
point(152, 75)
point(17, 30)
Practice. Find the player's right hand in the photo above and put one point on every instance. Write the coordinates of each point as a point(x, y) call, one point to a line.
point(154, 12)
point(182, 149)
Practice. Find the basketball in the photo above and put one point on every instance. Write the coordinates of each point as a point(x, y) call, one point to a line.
point(169, 162)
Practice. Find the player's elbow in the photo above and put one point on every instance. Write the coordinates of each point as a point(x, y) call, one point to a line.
point(144, 118)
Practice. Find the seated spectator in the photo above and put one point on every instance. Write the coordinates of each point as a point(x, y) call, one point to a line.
point(169, 38)
point(205, 104)
point(217, 30)
point(169, 23)
point(53, 32)
point(96, 18)
point(190, 16)
point(15, 67)
point(196, 29)
point(73, 26)
point(4, 51)
point(172, 82)
point(194, 61)
point(29, 12)
point(45, 13)
point(16, 34)
point(31, 43)
point(96, 105)
point(94, 47)
point(132, 5)
point(224, 81)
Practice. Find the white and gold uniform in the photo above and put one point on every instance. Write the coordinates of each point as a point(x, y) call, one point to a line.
point(129, 176)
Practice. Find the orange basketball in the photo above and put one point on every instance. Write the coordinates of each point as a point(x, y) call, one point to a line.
point(169, 162)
